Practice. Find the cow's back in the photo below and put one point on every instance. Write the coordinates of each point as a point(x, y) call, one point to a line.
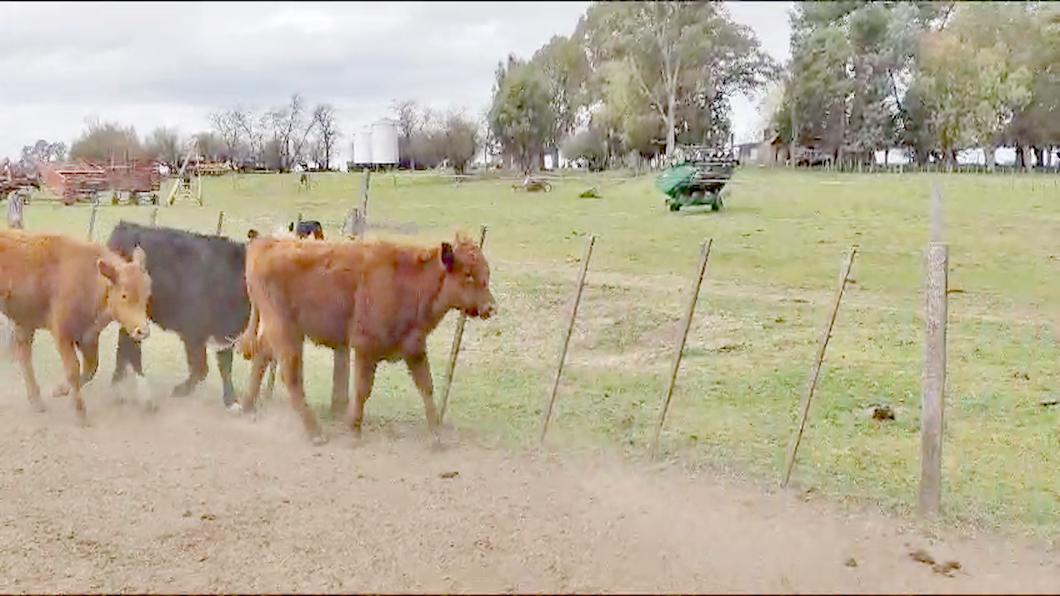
point(197, 280)
point(313, 283)
point(371, 294)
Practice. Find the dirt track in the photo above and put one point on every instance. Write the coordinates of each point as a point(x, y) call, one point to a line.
point(188, 499)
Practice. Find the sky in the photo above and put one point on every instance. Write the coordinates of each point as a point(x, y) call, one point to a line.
point(170, 64)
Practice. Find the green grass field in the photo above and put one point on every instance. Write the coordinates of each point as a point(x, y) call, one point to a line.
point(778, 247)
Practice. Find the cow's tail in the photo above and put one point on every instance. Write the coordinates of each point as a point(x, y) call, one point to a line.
point(247, 343)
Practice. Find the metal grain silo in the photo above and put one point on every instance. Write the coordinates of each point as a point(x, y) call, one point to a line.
point(362, 148)
point(384, 142)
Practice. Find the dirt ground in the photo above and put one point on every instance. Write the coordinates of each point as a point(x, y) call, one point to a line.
point(190, 499)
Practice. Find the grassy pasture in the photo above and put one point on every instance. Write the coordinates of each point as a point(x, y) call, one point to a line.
point(778, 246)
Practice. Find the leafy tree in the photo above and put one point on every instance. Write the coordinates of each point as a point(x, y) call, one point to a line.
point(1033, 36)
point(851, 64)
point(590, 146)
point(674, 51)
point(522, 116)
point(973, 77)
point(460, 140)
point(564, 63)
point(818, 91)
point(969, 93)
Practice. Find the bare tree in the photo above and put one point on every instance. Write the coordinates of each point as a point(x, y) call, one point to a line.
point(164, 145)
point(328, 134)
point(289, 131)
point(408, 124)
point(44, 151)
point(227, 125)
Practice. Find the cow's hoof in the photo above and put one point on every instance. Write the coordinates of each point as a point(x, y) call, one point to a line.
point(235, 409)
point(181, 390)
point(37, 406)
point(318, 440)
point(61, 391)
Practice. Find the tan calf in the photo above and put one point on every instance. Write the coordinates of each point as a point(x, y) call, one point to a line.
point(74, 289)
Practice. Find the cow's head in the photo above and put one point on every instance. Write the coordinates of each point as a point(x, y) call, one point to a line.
point(467, 279)
point(128, 290)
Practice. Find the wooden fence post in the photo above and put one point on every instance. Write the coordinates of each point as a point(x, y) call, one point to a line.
point(458, 336)
point(364, 198)
point(15, 210)
point(220, 222)
point(154, 217)
point(92, 219)
point(566, 339)
point(934, 379)
point(704, 256)
point(815, 368)
point(934, 402)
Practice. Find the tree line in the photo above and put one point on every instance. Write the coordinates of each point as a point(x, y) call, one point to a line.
point(631, 82)
point(274, 139)
point(933, 77)
point(636, 80)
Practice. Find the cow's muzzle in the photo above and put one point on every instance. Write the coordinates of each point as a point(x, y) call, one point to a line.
point(140, 333)
point(485, 312)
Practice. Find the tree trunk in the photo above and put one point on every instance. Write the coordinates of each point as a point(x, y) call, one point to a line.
point(990, 156)
point(1040, 153)
point(671, 134)
point(1020, 161)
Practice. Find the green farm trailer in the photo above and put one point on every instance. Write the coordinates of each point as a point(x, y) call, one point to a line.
point(695, 181)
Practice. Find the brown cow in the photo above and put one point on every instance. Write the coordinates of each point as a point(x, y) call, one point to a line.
point(380, 298)
point(74, 289)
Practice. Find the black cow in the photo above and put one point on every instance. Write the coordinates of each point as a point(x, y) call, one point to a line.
point(307, 227)
point(198, 291)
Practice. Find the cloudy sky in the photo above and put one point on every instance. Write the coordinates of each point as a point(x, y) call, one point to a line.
point(170, 64)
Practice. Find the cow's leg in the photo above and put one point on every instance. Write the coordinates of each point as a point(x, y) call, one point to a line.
point(259, 362)
point(90, 354)
point(340, 382)
point(128, 355)
point(72, 367)
point(290, 365)
point(196, 352)
point(363, 377)
point(270, 385)
point(420, 369)
point(224, 365)
point(23, 349)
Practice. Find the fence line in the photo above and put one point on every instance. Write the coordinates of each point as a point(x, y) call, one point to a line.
point(934, 363)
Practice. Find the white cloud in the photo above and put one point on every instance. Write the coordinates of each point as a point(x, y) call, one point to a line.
point(170, 63)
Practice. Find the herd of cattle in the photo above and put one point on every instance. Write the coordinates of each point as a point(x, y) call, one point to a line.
point(262, 298)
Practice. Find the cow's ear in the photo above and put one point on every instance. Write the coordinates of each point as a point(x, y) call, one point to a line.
point(252, 234)
point(447, 256)
point(139, 257)
point(107, 270)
